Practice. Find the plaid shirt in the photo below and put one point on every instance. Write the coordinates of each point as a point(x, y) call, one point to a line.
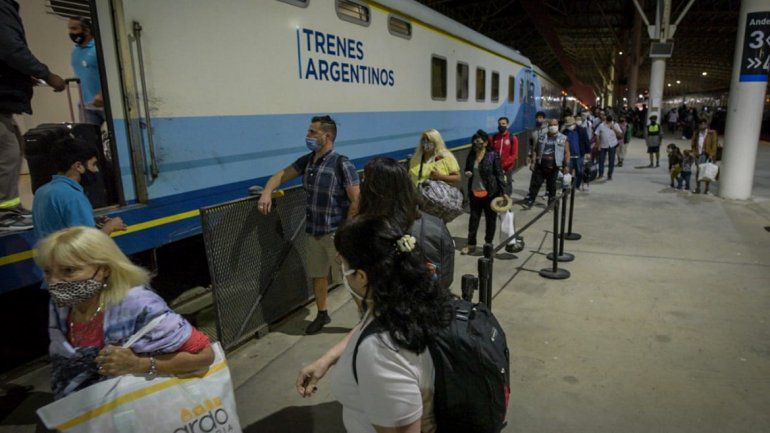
point(327, 199)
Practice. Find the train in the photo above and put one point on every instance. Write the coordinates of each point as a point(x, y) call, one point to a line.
point(206, 99)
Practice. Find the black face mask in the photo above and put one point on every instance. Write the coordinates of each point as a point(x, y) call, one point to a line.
point(538, 123)
point(501, 129)
point(88, 178)
point(78, 38)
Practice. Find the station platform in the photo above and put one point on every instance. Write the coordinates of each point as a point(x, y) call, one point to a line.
point(663, 325)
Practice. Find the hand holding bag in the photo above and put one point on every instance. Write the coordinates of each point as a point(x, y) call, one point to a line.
point(136, 404)
point(441, 199)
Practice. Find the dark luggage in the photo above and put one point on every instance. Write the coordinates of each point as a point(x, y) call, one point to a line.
point(590, 171)
point(101, 189)
point(437, 245)
point(472, 377)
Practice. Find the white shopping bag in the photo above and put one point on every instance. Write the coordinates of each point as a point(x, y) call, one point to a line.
point(708, 172)
point(200, 403)
point(507, 227)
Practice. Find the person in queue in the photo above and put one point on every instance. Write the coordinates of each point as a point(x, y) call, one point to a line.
point(332, 187)
point(85, 63)
point(432, 160)
point(62, 203)
point(608, 135)
point(578, 147)
point(388, 193)
point(625, 128)
point(541, 128)
point(383, 268)
point(551, 154)
point(486, 181)
point(506, 145)
point(19, 70)
point(99, 299)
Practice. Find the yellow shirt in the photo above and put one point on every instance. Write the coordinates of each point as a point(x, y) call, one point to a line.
point(445, 165)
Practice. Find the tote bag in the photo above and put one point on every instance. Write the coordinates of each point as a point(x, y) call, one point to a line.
point(203, 402)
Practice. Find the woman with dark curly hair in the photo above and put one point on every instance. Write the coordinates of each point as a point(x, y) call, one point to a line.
point(387, 192)
point(382, 266)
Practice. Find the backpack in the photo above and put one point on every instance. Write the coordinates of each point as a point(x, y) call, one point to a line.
point(472, 377)
point(590, 171)
point(437, 246)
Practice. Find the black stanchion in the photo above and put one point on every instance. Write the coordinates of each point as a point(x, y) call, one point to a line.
point(469, 285)
point(570, 235)
point(554, 272)
point(485, 281)
point(562, 256)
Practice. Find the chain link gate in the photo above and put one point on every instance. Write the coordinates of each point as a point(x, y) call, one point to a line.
point(257, 263)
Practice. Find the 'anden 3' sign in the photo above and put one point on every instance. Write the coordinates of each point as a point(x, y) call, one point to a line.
point(755, 61)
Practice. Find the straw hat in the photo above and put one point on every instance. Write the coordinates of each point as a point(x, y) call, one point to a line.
point(501, 204)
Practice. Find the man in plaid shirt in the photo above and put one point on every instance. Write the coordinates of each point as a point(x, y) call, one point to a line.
point(332, 186)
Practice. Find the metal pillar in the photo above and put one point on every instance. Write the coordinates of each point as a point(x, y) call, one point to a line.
point(747, 94)
point(633, 76)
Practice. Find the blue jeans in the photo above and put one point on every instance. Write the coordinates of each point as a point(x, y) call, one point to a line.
point(576, 166)
point(602, 156)
point(684, 177)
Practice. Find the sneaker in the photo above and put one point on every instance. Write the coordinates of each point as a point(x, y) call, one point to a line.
point(528, 204)
point(321, 320)
point(470, 249)
point(657, 165)
point(650, 166)
point(21, 210)
point(11, 222)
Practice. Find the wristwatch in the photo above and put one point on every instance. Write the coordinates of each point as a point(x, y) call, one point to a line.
point(153, 368)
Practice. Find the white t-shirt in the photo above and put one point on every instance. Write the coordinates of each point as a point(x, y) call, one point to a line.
point(395, 387)
point(607, 134)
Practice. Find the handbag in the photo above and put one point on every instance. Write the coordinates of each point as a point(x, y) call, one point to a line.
point(441, 199)
point(163, 404)
point(708, 172)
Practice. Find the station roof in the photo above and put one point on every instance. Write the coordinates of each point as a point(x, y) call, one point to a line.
point(591, 34)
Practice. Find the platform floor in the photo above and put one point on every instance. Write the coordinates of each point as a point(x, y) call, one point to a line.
point(664, 325)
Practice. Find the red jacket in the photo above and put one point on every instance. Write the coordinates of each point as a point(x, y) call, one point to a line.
point(507, 145)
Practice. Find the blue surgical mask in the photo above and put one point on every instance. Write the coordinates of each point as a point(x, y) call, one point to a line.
point(311, 143)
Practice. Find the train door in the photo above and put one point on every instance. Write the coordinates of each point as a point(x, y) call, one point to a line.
point(65, 36)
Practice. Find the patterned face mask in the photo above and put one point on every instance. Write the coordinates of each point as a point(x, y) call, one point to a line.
point(71, 293)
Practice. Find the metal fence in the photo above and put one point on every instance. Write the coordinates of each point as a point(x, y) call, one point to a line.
point(257, 263)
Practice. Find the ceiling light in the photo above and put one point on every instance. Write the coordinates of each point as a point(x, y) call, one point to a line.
point(704, 73)
point(621, 53)
point(678, 82)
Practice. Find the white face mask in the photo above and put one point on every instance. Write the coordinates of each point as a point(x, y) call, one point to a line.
point(571, 127)
point(345, 274)
point(553, 129)
point(579, 122)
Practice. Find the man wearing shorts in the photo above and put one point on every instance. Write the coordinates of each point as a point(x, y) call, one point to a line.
point(332, 187)
point(653, 136)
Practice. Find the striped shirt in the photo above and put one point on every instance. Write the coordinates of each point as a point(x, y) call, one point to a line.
point(327, 199)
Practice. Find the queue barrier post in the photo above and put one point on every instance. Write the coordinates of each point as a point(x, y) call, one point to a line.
point(485, 281)
point(561, 256)
point(554, 273)
point(570, 235)
point(469, 284)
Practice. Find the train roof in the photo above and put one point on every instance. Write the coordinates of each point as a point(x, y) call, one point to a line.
point(419, 12)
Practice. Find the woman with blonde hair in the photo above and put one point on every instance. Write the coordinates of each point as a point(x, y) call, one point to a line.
point(99, 299)
point(432, 160)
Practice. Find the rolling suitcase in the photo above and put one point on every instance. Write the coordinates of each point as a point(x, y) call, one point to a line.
point(37, 145)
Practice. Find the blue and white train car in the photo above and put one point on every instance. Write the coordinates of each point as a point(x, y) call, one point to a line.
point(230, 88)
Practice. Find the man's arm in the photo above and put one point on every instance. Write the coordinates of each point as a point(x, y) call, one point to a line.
point(354, 194)
point(13, 49)
point(566, 162)
point(276, 180)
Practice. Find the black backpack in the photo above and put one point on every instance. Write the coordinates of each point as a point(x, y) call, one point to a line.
point(472, 377)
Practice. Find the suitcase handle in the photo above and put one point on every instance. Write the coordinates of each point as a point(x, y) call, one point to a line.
point(81, 109)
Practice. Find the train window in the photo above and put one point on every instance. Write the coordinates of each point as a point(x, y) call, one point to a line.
point(511, 88)
point(300, 3)
point(481, 84)
point(495, 86)
point(463, 73)
point(354, 12)
point(521, 91)
point(399, 27)
point(438, 78)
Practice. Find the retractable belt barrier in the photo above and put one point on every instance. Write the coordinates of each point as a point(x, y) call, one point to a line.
point(483, 282)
